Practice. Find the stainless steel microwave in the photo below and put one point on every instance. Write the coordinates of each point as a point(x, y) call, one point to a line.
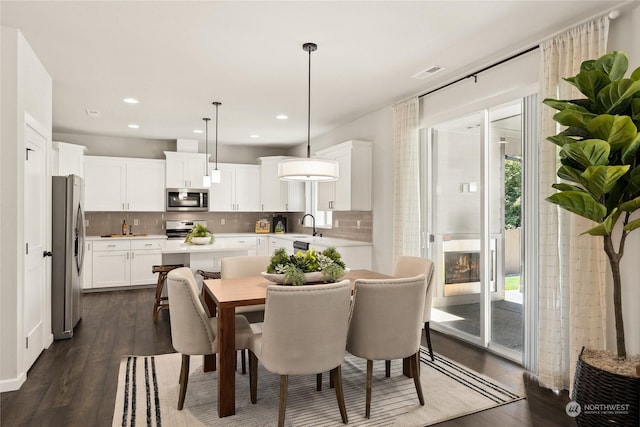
point(187, 200)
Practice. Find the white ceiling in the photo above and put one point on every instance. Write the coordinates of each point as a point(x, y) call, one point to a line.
point(177, 57)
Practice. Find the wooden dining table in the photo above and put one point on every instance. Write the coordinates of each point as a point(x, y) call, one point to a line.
point(222, 296)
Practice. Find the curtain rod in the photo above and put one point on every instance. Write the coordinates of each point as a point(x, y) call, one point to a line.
point(475, 73)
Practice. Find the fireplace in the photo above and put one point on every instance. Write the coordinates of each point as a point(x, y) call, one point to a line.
point(462, 272)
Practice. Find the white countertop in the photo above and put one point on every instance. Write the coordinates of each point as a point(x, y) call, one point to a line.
point(322, 241)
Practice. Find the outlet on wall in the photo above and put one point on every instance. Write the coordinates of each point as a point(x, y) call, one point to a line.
point(358, 224)
point(222, 221)
point(86, 222)
point(337, 222)
point(136, 221)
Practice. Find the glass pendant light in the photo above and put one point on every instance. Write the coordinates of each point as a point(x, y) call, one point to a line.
point(308, 169)
point(216, 176)
point(206, 179)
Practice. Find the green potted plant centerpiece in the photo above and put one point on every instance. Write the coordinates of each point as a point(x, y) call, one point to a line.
point(600, 167)
point(305, 267)
point(200, 235)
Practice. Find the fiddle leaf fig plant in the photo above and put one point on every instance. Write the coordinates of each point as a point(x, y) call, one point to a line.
point(599, 158)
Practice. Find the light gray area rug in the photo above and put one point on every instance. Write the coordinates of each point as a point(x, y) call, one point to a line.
point(148, 395)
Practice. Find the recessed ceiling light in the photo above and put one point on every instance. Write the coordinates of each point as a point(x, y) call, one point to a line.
point(282, 117)
point(131, 100)
point(134, 126)
point(255, 136)
point(197, 131)
point(93, 113)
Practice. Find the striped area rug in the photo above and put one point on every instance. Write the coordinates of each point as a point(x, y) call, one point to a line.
point(148, 394)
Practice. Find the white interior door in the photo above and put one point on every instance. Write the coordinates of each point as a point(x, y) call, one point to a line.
point(36, 218)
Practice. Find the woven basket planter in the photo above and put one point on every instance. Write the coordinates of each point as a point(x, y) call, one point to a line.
point(596, 390)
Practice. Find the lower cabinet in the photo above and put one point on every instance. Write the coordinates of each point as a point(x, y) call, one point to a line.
point(87, 266)
point(276, 243)
point(124, 262)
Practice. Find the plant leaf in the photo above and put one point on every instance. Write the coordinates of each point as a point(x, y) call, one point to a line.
point(573, 118)
point(561, 105)
point(615, 98)
point(570, 174)
point(601, 179)
point(636, 74)
point(590, 83)
point(590, 152)
point(630, 149)
point(579, 203)
point(613, 64)
point(616, 130)
point(561, 186)
point(605, 227)
point(632, 225)
point(576, 132)
point(561, 140)
point(631, 206)
point(633, 186)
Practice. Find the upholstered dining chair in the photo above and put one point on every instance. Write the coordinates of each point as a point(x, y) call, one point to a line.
point(193, 332)
point(245, 266)
point(410, 266)
point(304, 332)
point(386, 321)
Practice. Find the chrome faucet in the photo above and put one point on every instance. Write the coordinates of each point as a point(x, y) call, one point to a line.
point(313, 223)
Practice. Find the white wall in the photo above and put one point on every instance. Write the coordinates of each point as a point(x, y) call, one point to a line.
point(376, 127)
point(99, 145)
point(26, 88)
point(624, 34)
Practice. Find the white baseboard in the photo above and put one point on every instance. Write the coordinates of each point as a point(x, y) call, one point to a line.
point(13, 384)
point(49, 341)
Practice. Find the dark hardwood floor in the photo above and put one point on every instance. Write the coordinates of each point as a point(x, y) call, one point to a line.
point(73, 383)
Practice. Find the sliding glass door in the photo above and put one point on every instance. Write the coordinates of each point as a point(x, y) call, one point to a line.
point(473, 198)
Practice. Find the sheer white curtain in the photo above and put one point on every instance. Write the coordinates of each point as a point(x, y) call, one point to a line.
point(572, 267)
point(406, 199)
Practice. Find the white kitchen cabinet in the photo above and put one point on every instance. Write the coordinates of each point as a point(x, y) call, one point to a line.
point(355, 257)
point(262, 246)
point(117, 184)
point(277, 195)
point(245, 242)
point(67, 159)
point(238, 189)
point(87, 266)
point(276, 243)
point(125, 262)
point(184, 170)
point(352, 190)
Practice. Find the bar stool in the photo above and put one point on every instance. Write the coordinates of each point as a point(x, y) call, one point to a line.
point(161, 302)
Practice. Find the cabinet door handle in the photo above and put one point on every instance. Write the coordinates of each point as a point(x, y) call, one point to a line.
point(111, 246)
point(286, 206)
point(263, 206)
point(133, 255)
point(127, 205)
point(122, 205)
point(127, 255)
point(148, 244)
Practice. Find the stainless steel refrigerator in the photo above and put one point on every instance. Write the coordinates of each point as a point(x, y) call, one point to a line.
point(68, 254)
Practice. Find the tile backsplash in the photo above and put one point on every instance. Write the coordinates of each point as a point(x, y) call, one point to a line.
point(353, 225)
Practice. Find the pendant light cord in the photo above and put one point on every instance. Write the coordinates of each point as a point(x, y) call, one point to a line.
point(206, 145)
point(309, 109)
point(217, 104)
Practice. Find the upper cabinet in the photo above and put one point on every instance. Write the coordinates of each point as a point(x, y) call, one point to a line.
point(352, 190)
point(277, 195)
point(238, 190)
point(185, 170)
point(119, 184)
point(67, 159)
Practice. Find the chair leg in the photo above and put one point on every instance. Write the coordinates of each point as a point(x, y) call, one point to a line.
point(184, 379)
point(283, 400)
point(387, 368)
point(427, 334)
point(331, 384)
point(243, 357)
point(319, 382)
point(415, 361)
point(253, 376)
point(336, 375)
point(367, 409)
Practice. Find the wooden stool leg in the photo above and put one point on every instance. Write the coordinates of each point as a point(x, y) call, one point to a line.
point(159, 286)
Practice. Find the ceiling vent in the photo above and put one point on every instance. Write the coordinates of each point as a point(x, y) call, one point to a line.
point(428, 72)
point(93, 113)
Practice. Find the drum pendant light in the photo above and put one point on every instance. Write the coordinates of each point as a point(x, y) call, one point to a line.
point(308, 169)
point(206, 179)
point(216, 176)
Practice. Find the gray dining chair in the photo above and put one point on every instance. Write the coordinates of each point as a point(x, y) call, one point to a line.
point(386, 321)
point(245, 266)
point(304, 332)
point(193, 332)
point(409, 266)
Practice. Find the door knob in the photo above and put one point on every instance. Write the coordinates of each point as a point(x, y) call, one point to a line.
point(47, 253)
